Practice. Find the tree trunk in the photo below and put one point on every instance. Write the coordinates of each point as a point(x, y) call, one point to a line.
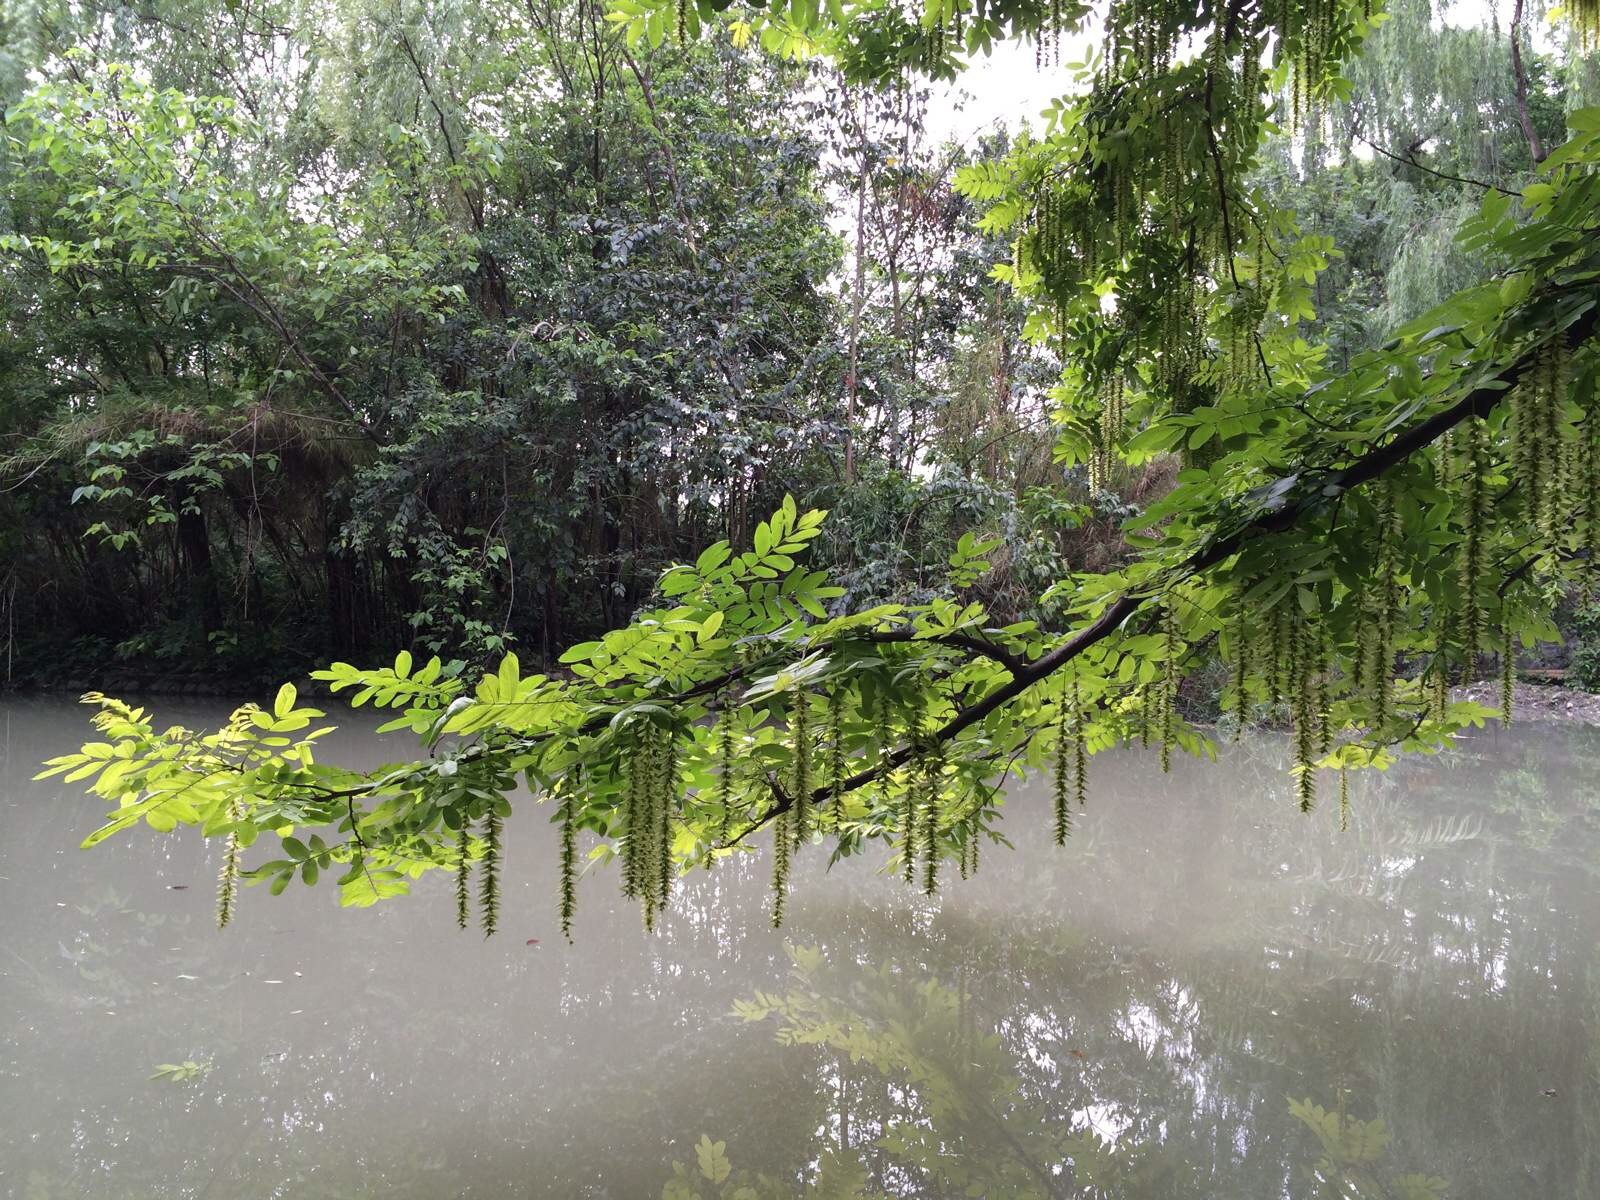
point(852, 381)
point(1520, 74)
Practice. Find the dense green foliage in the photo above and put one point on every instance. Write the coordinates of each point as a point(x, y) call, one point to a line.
point(1356, 525)
point(360, 338)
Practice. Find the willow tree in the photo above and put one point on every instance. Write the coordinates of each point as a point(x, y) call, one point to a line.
point(1351, 543)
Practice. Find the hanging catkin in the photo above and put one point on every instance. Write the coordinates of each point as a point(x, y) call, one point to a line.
point(1508, 669)
point(635, 819)
point(1324, 688)
point(725, 771)
point(782, 842)
point(884, 736)
point(1303, 709)
point(909, 798)
point(1241, 670)
point(228, 877)
point(1475, 515)
point(932, 804)
point(569, 862)
point(1062, 796)
point(1589, 471)
point(1381, 676)
point(1169, 684)
point(1552, 412)
point(489, 875)
point(1080, 749)
point(463, 879)
point(836, 758)
point(973, 834)
point(800, 753)
point(1275, 652)
point(666, 810)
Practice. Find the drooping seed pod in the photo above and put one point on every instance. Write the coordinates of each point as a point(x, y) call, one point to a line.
point(837, 770)
point(1344, 800)
point(1475, 517)
point(1508, 670)
point(1275, 656)
point(1241, 670)
point(463, 875)
point(228, 877)
point(649, 833)
point(1303, 710)
point(932, 804)
point(1531, 402)
point(668, 783)
point(1361, 648)
point(489, 874)
point(1386, 603)
point(1080, 748)
point(1324, 686)
point(726, 738)
point(884, 736)
point(635, 841)
point(909, 799)
point(782, 842)
point(1063, 807)
point(1169, 684)
point(1552, 412)
point(800, 754)
point(1590, 471)
point(569, 862)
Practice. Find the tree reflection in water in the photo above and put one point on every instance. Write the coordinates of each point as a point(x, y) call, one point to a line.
point(929, 1101)
point(1361, 1015)
point(1150, 1012)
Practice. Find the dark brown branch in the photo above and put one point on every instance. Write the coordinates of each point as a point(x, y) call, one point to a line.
point(1408, 159)
point(648, 95)
point(1014, 663)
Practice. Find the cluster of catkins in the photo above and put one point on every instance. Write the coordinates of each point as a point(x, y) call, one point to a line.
point(488, 872)
point(1309, 31)
point(1047, 42)
point(1283, 657)
point(1142, 32)
point(796, 821)
point(649, 813)
point(228, 877)
point(1071, 776)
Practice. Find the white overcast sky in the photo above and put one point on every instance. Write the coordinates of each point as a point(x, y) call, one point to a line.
point(1005, 88)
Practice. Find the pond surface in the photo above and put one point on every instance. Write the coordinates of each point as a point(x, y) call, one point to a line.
point(1205, 994)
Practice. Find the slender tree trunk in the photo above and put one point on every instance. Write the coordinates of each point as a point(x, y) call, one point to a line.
point(1520, 74)
point(205, 602)
point(852, 381)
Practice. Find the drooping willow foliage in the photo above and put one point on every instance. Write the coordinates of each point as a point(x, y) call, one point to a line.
point(1351, 544)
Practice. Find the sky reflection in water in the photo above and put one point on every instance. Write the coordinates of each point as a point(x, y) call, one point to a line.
point(1204, 994)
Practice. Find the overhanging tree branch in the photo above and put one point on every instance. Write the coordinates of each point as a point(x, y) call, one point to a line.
point(1312, 496)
